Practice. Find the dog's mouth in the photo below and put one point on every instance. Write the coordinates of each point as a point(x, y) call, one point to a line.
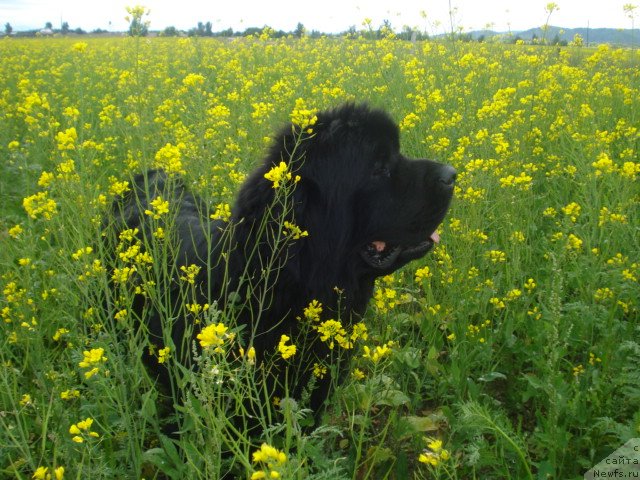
point(381, 255)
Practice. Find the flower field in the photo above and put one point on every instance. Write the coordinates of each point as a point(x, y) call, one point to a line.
point(511, 351)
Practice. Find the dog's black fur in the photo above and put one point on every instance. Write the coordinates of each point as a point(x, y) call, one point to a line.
point(368, 211)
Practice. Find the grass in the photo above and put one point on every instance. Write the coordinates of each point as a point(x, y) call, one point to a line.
point(512, 351)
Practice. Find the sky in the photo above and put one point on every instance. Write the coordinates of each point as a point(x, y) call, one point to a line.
point(323, 15)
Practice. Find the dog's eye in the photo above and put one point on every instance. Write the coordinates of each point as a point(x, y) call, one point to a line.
point(382, 172)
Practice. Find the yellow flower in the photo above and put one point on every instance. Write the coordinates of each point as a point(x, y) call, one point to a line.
point(67, 140)
point(15, 231)
point(81, 430)
point(422, 274)
point(190, 273)
point(117, 188)
point(271, 460)
point(160, 207)
point(572, 210)
point(529, 285)
point(222, 212)
point(169, 158)
point(40, 204)
point(79, 46)
point(164, 354)
point(70, 394)
point(313, 310)
point(213, 336)
point(378, 353)
point(250, 355)
point(92, 358)
point(574, 242)
point(192, 80)
point(280, 174)
point(428, 458)
point(358, 374)
point(434, 453)
point(41, 473)
point(121, 275)
point(331, 330)
point(303, 117)
point(496, 256)
point(58, 335)
point(286, 351)
point(319, 370)
point(293, 231)
point(24, 262)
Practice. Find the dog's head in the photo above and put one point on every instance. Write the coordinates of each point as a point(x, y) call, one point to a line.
point(365, 205)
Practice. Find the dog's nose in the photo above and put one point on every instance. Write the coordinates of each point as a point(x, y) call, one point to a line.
point(447, 176)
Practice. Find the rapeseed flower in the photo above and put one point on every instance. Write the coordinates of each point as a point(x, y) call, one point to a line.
point(319, 371)
point(313, 311)
point(164, 354)
point(422, 274)
point(92, 359)
point(169, 158)
point(67, 140)
point(190, 273)
point(434, 453)
point(213, 336)
point(40, 204)
point(303, 117)
point(81, 431)
point(222, 212)
point(574, 242)
point(572, 210)
point(250, 355)
point(271, 461)
point(330, 331)
point(69, 394)
point(15, 231)
point(496, 256)
point(378, 353)
point(280, 174)
point(294, 231)
point(159, 208)
point(287, 351)
point(41, 474)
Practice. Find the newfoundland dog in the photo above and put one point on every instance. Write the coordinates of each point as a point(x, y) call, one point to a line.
point(333, 206)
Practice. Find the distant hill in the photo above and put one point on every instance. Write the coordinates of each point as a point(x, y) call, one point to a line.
point(612, 36)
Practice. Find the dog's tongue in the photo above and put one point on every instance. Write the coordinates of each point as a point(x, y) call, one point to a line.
point(380, 246)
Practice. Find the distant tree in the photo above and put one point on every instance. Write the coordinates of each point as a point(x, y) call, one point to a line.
point(299, 31)
point(79, 31)
point(8, 29)
point(202, 30)
point(228, 33)
point(48, 26)
point(169, 32)
point(64, 29)
point(251, 31)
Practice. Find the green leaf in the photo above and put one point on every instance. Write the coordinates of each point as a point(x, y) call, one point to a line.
point(391, 398)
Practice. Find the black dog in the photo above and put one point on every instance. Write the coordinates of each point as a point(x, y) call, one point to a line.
point(368, 210)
